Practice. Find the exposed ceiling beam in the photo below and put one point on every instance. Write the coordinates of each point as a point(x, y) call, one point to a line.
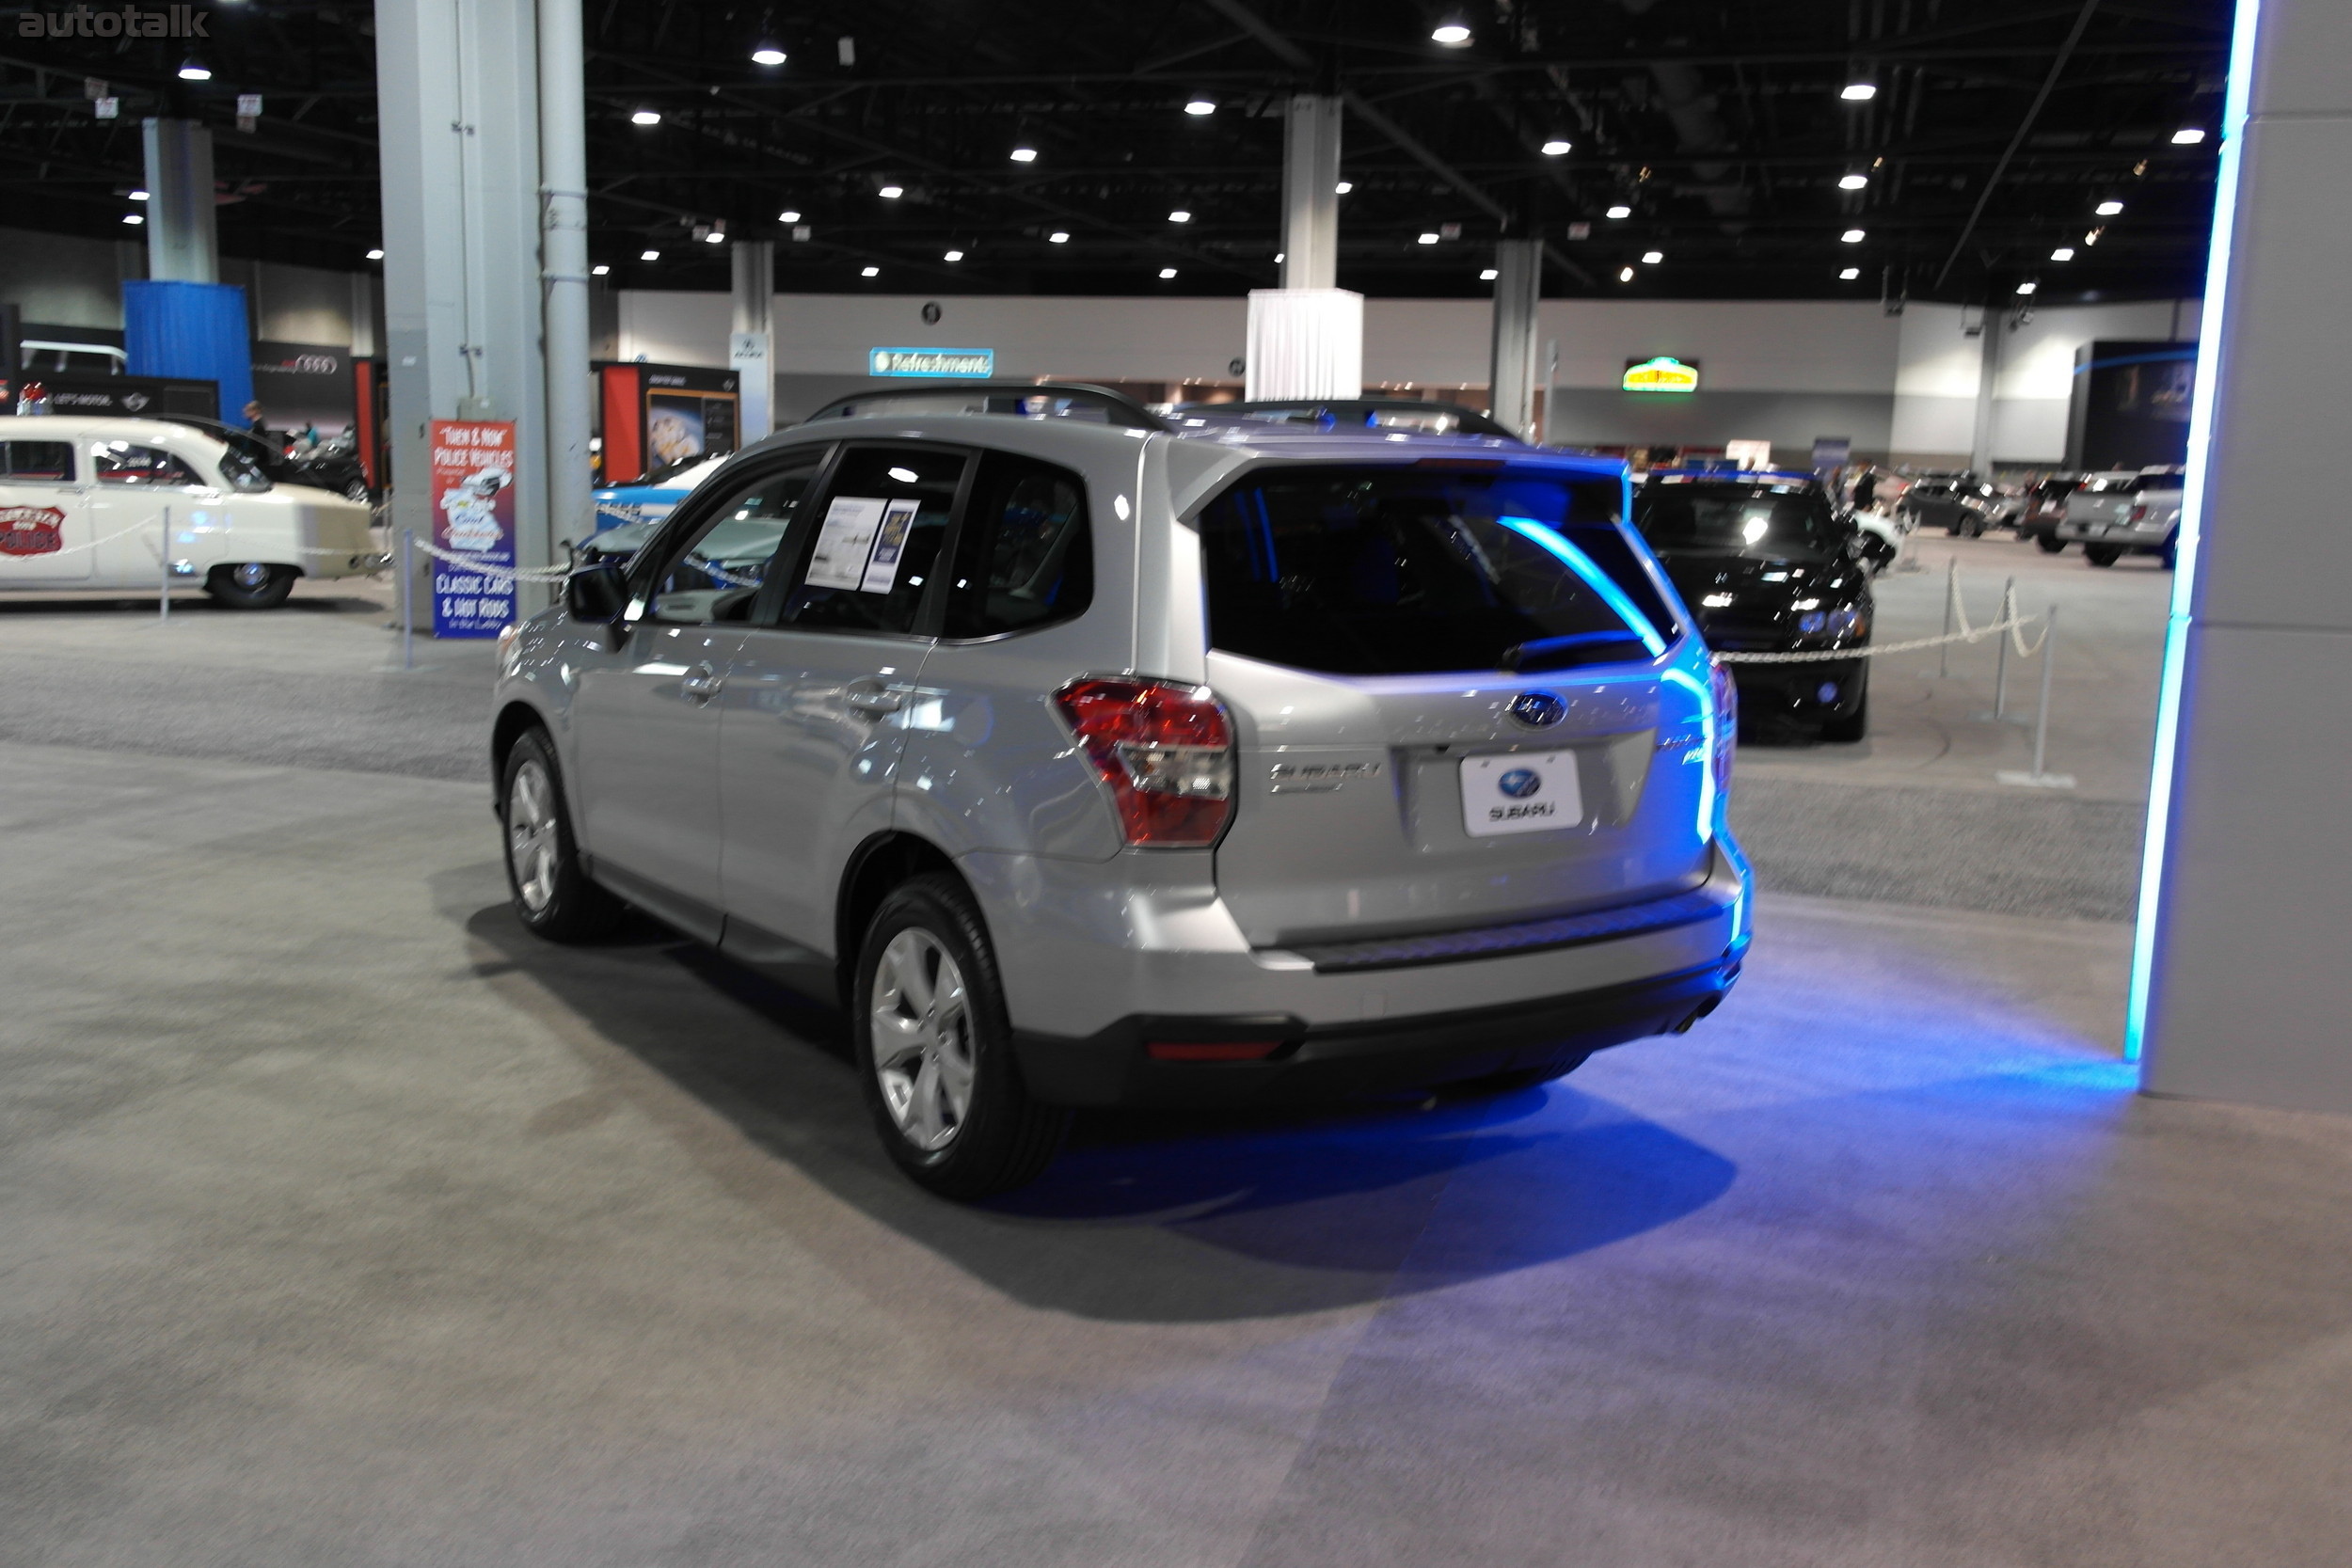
point(2025, 127)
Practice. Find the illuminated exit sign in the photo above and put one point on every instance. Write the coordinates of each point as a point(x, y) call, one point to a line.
point(1664, 374)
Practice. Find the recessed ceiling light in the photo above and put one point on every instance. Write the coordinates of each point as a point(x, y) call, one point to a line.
point(1201, 107)
point(870, 272)
point(1025, 154)
point(2026, 288)
point(1058, 237)
point(717, 236)
point(1429, 238)
point(1625, 275)
point(1557, 147)
point(1179, 215)
point(2188, 135)
point(1651, 257)
point(1343, 187)
point(138, 196)
point(2063, 253)
point(788, 215)
point(2108, 209)
point(1854, 236)
point(766, 54)
point(1488, 275)
point(193, 69)
point(649, 256)
point(891, 193)
point(1451, 34)
point(955, 255)
point(1853, 182)
point(1277, 258)
point(600, 271)
point(1621, 211)
point(646, 117)
point(375, 255)
point(1167, 272)
point(1848, 274)
point(2090, 236)
point(1859, 93)
point(132, 220)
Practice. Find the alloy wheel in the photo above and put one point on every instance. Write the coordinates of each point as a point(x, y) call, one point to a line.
point(920, 1020)
point(531, 834)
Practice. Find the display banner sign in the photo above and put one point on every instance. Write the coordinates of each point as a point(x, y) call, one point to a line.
point(1664, 374)
point(473, 490)
point(974, 363)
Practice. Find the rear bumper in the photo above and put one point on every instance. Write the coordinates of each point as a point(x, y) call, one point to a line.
point(2123, 536)
point(1117, 1065)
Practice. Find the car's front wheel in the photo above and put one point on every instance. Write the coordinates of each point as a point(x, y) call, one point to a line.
point(250, 585)
point(553, 895)
point(2103, 555)
point(2050, 544)
point(934, 1048)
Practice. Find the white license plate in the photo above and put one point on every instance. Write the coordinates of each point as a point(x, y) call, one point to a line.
point(1520, 792)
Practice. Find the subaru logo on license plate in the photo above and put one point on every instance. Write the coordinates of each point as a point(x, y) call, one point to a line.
point(1538, 710)
point(1519, 783)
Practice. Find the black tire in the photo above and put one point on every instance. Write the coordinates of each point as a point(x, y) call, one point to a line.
point(2171, 554)
point(2049, 544)
point(1000, 1139)
point(1845, 730)
point(567, 906)
point(1952, 529)
point(356, 490)
point(252, 585)
point(2102, 555)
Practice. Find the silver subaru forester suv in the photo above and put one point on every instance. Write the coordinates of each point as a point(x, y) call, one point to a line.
point(1087, 757)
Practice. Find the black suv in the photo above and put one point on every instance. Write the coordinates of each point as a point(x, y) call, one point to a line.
point(1767, 566)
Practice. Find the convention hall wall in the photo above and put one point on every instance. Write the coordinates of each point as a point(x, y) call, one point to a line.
point(60, 280)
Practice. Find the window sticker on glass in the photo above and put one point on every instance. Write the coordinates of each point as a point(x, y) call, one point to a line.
point(890, 544)
point(845, 541)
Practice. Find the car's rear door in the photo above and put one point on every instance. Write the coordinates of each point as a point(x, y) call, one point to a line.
point(46, 519)
point(816, 701)
point(1393, 776)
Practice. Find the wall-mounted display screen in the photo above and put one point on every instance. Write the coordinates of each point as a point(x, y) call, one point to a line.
point(1661, 373)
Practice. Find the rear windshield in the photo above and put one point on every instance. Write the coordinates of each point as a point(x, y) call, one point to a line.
point(1765, 522)
point(1394, 571)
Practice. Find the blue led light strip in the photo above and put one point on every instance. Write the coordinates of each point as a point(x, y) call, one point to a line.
point(2209, 339)
point(1584, 566)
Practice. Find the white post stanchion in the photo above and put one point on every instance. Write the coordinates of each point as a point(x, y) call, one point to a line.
point(2000, 666)
point(1951, 601)
point(2039, 778)
point(163, 566)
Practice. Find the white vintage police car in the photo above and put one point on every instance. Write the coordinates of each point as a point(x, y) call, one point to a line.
point(84, 503)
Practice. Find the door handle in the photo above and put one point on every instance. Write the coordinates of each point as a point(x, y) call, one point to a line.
point(701, 683)
point(873, 697)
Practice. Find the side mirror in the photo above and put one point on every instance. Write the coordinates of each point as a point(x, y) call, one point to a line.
point(596, 595)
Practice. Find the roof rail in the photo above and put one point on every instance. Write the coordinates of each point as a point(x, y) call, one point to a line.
point(1032, 400)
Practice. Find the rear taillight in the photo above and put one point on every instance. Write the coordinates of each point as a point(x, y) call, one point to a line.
point(1165, 750)
point(2139, 514)
point(1727, 730)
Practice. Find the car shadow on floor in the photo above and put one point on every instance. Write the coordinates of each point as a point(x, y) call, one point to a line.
point(1148, 1218)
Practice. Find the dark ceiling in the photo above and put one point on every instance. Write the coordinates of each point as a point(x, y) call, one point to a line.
point(1997, 127)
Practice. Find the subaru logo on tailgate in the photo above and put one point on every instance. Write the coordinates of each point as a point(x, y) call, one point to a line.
point(1538, 710)
point(1520, 782)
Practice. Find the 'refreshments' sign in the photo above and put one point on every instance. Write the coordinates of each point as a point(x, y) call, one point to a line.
point(116, 22)
point(1661, 373)
point(968, 362)
point(473, 496)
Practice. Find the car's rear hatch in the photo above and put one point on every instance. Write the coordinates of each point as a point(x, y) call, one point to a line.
point(1396, 773)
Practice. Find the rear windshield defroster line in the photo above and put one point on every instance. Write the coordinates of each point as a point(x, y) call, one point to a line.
point(1387, 570)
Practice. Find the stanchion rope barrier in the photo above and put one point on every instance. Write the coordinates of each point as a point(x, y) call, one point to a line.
point(2010, 622)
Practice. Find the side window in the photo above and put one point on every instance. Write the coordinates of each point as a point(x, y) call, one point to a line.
point(1027, 555)
point(885, 518)
point(714, 574)
point(149, 468)
point(37, 462)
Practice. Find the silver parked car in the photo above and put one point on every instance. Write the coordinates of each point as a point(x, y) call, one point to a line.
point(2115, 514)
point(1084, 760)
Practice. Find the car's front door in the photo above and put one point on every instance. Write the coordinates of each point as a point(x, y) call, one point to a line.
point(818, 700)
point(646, 711)
point(46, 526)
point(136, 485)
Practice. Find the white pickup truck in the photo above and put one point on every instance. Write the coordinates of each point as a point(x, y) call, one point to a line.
point(2115, 514)
point(84, 503)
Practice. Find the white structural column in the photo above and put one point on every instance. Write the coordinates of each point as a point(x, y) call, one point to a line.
point(1307, 338)
point(1518, 295)
point(183, 236)
point(457, 88)
point(2239, 989)
point(752, 339)
point(1987, 383)
point(564, 269)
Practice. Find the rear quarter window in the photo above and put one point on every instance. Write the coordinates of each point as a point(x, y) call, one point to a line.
point(1408, 570)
